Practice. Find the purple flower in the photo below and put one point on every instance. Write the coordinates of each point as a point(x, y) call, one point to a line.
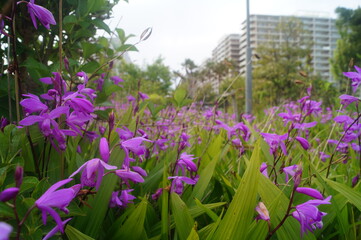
point(177, 183)
point(55, 229)
point(186, 161)
point(309, 216)
point(123, 200)
point(310, 192)
point(275, 141)
point(355, 78)
point(3, 123)
point(5, 231)
point(126, 175)
point(304, 143)
point(355, 180)
point(19, 172)
point(157, 193)
point(263, 169)
point(45, 120)
point(143, 96)
point(124, 133)
point(130, 98)
point(116, 79)
point(291, 171)
point(133, 145)
point(324, 156)
point(140, 170)
point(54, 198)
point(262, 211)
point(104, 149)
point(348, 99)
point(44, 15)
point(93, 172)
point(33, 104)
point(9, 194)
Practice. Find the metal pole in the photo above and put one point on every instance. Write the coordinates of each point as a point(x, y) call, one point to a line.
point(248, 67)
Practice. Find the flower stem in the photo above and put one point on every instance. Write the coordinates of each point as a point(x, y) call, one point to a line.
point(270, 234)
point(23, 220)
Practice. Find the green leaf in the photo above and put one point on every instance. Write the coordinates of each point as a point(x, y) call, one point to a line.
point(70, 19)
point(101, 25)
point(240, 213)
point(179, 96)
point(193, 235)
point(183, 220)
point(90, 66)
point(75, 234)
point(214, 153)
point(133, 227)
point(352, 195)
point(89, 49)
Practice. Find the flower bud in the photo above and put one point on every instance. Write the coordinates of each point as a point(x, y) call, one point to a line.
point(66, 64)
point(111, 121)
point(19, 172)
point(9, 194)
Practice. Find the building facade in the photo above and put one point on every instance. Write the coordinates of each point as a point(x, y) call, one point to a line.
point(227, 49)
point(321, 31)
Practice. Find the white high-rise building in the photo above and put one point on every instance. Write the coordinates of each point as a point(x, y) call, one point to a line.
point(321, 31)
point(228, 49)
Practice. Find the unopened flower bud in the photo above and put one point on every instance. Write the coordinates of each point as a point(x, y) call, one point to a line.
point(355, 180)
point(111, 121)
point(102, 130)
point(19, 172)
point(9, 194)
point(298, 176)
point(66, 64)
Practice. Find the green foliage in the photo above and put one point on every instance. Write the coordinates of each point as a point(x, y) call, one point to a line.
point(278, 68)
point(156, 78)
point(347, 53)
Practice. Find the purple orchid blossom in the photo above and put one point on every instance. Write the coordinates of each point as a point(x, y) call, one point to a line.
point(123, 200)
point(126, 175)
point(355, 78)
point(54, 198)
point(310, 192)
point(56, 229)
point(42, 14)
point(46, 120)
point(177, 183)
point(92, 172)
point(304, 143)
point(290, 171)
point(275, 141)
point(309, 216)
point(5, 231)
point(33, 104)
point(263, 169)
point(185, 161)
point(104, 149)
point(133, 145)
point(348, 99)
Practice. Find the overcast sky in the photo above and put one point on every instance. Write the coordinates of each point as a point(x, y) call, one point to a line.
point(191, 28)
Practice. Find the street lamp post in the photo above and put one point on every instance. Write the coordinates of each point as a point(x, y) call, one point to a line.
point(248, 67)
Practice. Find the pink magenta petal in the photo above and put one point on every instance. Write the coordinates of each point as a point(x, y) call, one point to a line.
point(310, 192)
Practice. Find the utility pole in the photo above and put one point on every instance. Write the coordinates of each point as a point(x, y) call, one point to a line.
point(248, 67)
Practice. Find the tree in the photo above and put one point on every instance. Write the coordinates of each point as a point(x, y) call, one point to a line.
point(154, 78)
point(280, 62)
point(348, 51)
